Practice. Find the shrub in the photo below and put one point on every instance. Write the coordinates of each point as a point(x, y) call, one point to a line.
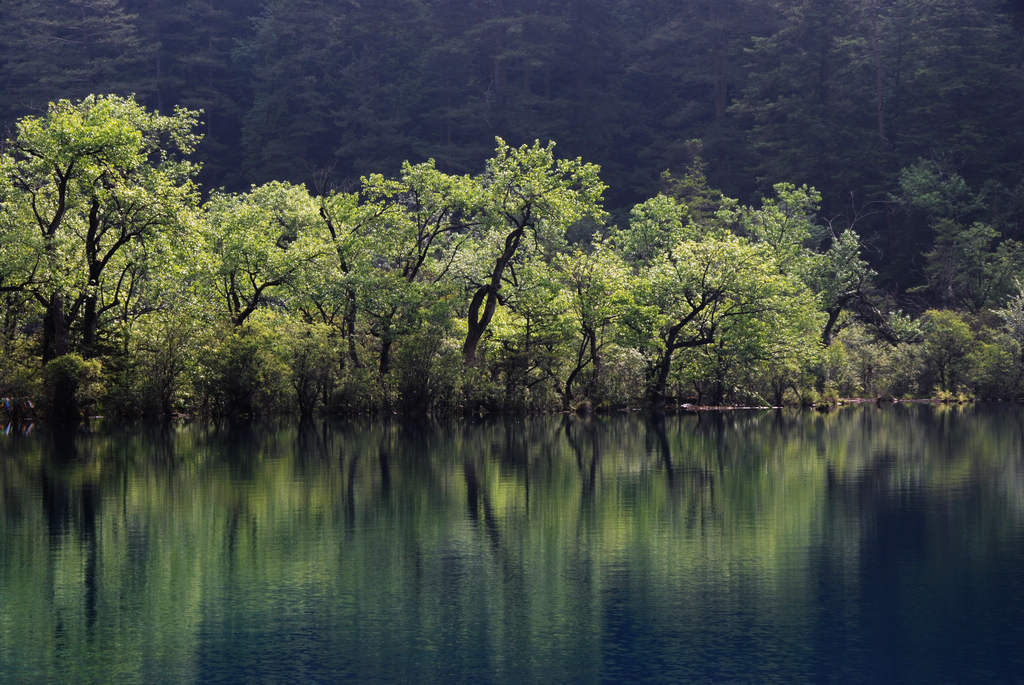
point(71, 388)
point(947, 342)
point(243, 374)
point(427, 373)
point(994, 372)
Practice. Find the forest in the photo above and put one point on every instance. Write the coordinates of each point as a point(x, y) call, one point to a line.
point(303, 206)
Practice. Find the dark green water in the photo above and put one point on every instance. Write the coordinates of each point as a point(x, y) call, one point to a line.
point(869, 545)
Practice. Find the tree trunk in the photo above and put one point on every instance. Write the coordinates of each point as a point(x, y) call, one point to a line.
point(485, 299)
point(350, 329)
point(477, 322)
point(385, 354)
point(826, 334)
point(55, 330)
point(95, 266)
point(89, 326)
point(778, 392)
point(657, 385)
point(567, 395)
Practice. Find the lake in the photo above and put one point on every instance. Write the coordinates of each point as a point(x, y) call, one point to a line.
point(869, 544)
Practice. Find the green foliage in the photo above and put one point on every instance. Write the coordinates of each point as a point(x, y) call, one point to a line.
point(868, 364)
point(655, 226)
point(995, 369)
point(738, 309)
point(244, 374)
point(927, 187)
point(1012, 316)
point(526, 201)
point(277, 300)
point(92, 188)
point(592, 295)
point(786, 223)
point(428, 371)
point(692, 188)
point(948, 341)
point(19, 369)
point(961, 262)
point(154, 375)
point(704, 293)
point(968, 265)
point(71, 388)
point(259, 241)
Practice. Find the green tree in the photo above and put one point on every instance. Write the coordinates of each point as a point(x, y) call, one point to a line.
point(655, 226)
point(531, 336)
point(786, 223)
point(948, 341)
point(526, 201)
point(968, 264)
point(260, 241)
point(1012, 316)
point(843, 281)
point(92, 187)
point(420, 228)
point(593, 293)
point(691, 295)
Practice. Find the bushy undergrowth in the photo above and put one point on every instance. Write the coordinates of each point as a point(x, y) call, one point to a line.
point(272, 366)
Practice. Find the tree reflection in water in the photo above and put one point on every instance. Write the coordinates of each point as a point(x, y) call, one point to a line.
point(872, 543)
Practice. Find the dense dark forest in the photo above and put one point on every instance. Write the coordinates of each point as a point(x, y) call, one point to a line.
point(864, 100)
point(895, 128)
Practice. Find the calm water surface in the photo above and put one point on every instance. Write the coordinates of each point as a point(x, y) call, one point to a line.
point(872, 544)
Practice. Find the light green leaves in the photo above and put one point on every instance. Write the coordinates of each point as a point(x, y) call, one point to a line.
point(261, 240)
point(91, 190)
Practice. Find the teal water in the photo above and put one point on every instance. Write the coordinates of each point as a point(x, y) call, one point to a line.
point(868, 545)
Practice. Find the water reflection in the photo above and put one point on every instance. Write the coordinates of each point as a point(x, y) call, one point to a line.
point(869, 544)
